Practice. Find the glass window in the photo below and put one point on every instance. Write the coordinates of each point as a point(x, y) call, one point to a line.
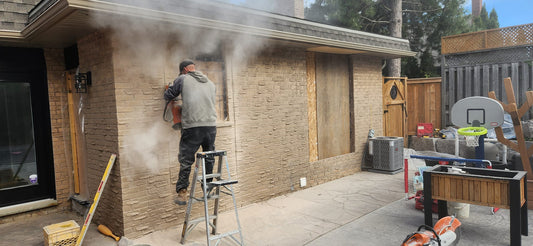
point(18, 165)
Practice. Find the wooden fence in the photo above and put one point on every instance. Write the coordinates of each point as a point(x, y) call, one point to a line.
point(475, 63)
point(423, 103)
point(478, 80)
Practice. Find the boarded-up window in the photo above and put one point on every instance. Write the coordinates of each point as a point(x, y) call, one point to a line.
point(214, 68)
point(333, 105)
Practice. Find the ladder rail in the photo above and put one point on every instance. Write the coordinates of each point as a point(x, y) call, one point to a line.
point(217, 192)
point(211, 191)
point(234, 203)
point(206, 204)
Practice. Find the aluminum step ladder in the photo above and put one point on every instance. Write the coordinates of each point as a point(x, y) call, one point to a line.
point(211, 191)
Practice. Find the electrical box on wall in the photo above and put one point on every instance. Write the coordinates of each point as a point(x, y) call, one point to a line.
point(303, 182)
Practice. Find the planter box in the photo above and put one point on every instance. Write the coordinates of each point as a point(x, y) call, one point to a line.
point(480, 186)
point(484, 187)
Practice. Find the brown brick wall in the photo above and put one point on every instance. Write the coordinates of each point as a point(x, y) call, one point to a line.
point(100, 128)
point(368, 97)
point(266, 135)
point(271, 125)
point(57, 92)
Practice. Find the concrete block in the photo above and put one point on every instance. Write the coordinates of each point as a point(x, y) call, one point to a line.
point(422, 144)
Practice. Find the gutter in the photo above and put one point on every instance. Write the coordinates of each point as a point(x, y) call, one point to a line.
point(10, 35)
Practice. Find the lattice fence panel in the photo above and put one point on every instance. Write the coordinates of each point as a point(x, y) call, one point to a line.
point(488, 39)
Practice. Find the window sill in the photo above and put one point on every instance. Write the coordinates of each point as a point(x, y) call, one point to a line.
point(25, 207)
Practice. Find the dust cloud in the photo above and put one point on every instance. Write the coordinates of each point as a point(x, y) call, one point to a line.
point(160, 44)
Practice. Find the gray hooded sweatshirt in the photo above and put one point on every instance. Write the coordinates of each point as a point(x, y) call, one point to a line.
point(199, 99)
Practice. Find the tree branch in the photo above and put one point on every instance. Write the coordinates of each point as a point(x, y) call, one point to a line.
point(421, 11)
point(374, 21)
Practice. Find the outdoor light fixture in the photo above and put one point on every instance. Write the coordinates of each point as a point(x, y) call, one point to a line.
point(81, 81)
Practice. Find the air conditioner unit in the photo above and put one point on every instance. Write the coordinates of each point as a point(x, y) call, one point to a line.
point(387, 154)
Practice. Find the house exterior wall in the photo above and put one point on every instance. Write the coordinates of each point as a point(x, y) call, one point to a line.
point(57, 91)
point(266, 135)
point(368, 89)
point(60, 137)
point(100, 127)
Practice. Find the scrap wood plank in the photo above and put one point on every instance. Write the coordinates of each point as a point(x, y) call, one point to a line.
point(90, 214)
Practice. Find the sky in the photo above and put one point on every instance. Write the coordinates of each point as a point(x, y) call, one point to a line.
point(510, 12)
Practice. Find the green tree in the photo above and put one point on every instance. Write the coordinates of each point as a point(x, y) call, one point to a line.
point(493, 20)
point(424, 23)
point(485, 20)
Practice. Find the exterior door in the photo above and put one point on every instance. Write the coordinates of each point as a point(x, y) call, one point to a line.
point(394, 107)
point(26, 166)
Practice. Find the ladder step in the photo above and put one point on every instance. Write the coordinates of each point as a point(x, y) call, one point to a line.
point(219, 236)
point(223, 182)
point(200, 219)
point(207, 176)
point(201, 199)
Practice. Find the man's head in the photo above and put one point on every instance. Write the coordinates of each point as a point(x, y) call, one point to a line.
point(186, 66)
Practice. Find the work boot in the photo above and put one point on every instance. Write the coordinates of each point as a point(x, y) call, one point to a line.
point(182, 197)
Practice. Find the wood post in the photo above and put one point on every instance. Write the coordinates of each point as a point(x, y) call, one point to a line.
point(516, 113)
point(73, 130)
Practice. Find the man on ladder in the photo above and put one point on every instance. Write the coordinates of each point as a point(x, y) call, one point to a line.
point(198, 121)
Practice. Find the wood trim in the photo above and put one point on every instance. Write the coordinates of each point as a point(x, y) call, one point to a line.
point(73, 132)
point(311, 107)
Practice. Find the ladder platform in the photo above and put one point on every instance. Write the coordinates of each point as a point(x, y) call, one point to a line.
point(223, 182)
point(211, 154)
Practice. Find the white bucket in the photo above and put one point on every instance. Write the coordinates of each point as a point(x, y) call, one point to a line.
point(460, 210)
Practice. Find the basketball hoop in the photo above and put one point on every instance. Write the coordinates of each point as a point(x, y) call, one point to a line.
point(472, 134)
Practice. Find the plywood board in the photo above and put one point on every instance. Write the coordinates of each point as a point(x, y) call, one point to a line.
point(333, 109)
point(311, 107)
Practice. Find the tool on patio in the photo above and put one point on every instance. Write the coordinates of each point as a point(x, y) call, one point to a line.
point(211, 191)
point(106, 231)
point(90, 214)
point(445, 232)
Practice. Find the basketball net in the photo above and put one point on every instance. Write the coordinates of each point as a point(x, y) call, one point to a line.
point(472, 141)
point(472, 135)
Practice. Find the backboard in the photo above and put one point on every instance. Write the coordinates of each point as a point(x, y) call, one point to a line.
point(488, 112)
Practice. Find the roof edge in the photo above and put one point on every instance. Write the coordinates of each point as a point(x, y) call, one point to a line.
point(117, 8)
point(55, 11)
